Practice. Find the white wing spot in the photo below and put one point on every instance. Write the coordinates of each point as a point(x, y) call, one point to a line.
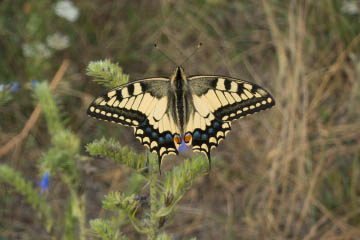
point(263, 102)
point(97, 110)
point(116, 103)
point(115, 115)
point(130, 103)
point(233, 86)
point(248, 94)
point(137, 88)
point(205, 147)
point(218, 134)
point(239, 112)
point(140, 131)
point(153, 144)
point(121, 118)
point(111, 101)
point(257, 95)
point(92, 109)
point(221, 84)
point(248, 86)
point(258, 104)
point(135, 122)
point(252, 106)
point(245, 109)
point(162, 150)
point(244, 97)
point(224, 118)
point(262, 92)
point(108, 114)
point(236, 97)
point(125, 92)
point(111, 94)
point(103, 112)
point(269, 100)
point(225, 125)
point(123, 102)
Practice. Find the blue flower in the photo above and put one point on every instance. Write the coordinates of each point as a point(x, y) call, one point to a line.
point(34, 83)
point(14, 86)
point(45, 183)
point(183, 146)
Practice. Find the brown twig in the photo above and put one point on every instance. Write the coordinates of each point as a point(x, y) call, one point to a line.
point(35, 114)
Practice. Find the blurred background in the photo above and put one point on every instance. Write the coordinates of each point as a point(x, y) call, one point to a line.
point(291, 172)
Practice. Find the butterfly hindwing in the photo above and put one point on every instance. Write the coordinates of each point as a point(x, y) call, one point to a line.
point(144, 105)
point(207, 132)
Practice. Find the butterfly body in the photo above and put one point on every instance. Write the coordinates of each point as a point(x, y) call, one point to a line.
point(165, 112)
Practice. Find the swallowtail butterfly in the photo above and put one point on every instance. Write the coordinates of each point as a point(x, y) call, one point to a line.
point(197, 110)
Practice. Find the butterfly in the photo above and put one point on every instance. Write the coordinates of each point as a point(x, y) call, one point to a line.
point(165, 112)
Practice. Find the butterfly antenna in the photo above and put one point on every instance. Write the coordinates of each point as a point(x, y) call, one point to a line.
point(157, 47)
point(192, 54)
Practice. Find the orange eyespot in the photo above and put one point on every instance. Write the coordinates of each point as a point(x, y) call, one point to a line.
point(187, 138)
point(177, 139)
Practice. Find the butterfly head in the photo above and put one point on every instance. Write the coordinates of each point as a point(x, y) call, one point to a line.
point(178, 79)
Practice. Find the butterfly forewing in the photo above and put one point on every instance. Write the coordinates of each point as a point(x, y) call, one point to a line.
point(230, 98)
point(143, 105)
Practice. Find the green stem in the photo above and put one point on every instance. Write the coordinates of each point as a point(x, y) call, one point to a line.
point(153, 200)
point(82, 217)
point(79, 210)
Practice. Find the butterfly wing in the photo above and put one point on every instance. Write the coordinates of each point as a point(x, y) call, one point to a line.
point(143, 105)
point(217, 101)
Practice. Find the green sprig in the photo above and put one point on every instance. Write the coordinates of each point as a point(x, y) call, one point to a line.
point(38, 202)
point(113, 150)
point(107, 73)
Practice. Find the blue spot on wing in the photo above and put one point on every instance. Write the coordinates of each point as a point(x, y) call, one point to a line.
point(169, 137)
point(204, 137)
point(154, 135)
point(196, 135)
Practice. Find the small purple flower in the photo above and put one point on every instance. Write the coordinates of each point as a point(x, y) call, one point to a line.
point(45, 183)
point(34, 83)
point(14, 86)
point(183, 146)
